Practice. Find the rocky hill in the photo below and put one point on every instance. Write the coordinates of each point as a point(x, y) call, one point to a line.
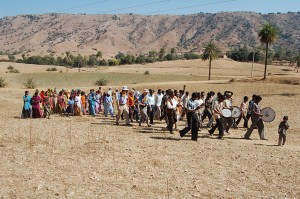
point(131, 33)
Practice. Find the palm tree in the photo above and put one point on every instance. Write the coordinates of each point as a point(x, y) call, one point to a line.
point(210, 52)
point(267, 35)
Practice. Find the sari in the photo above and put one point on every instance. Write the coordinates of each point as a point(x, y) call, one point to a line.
point(60, 105)
point(36, 108)
point(83, 104)
point(26, 112)
point(92, 104)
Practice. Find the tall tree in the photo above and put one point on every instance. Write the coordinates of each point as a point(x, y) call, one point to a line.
point(268, 35)
point(99, 55)
point(210, 52)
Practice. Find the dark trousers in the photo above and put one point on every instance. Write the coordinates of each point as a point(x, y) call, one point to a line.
point(245, 121)
point(220, 127)
point(227, 123)
point(171, 118)
point(208, 114)
point(131, 112)
point(151, 113)
point(26, 113)
point(192, 122)
point(281, 139)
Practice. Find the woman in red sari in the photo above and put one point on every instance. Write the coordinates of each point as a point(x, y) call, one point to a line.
point(36, 108)
point(61, 104)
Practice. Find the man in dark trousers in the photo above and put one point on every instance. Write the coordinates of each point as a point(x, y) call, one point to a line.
point(192, 118)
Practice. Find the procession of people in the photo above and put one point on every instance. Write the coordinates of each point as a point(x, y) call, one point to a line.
point(147, 107)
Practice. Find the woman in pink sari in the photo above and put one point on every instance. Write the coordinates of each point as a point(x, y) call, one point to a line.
point(61, 103)
point(36, 108)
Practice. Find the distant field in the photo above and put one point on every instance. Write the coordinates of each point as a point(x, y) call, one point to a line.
point(88, 79)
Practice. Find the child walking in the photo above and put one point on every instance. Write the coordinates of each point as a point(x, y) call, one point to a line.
point(282, 130)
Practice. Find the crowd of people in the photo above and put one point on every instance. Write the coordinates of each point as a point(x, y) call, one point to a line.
point(147, 106)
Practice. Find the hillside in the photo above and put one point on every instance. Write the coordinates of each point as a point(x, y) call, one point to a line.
point(137, 33)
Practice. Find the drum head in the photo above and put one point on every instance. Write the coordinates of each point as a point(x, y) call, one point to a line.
point(268, 114)
point(236, 112)
point(226, 112)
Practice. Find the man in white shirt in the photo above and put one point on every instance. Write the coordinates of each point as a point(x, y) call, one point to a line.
point(158, 100)
point(171, 111)
point(151, 106)
point(185, 98)
point(217, 113)
point(199, 112)
point(227, 122)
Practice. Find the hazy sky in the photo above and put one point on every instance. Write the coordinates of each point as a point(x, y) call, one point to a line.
point(17, 7)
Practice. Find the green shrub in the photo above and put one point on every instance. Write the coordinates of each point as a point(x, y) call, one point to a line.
point(14, 71)
point(10, 67)
point(30, 84)
point(52, 69)
point(101, 82)
point(2, 82)
point(146, 72)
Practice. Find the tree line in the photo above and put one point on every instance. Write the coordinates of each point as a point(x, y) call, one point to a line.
point(70, 60)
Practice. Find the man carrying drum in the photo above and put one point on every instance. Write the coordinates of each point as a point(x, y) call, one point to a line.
point(256, 118)
point(227, 121)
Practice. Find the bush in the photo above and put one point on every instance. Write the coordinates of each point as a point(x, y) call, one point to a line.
point(113, 62)
point(14, 71)
point(146, 72)
point(10, 67)
point(30, 83)
point(101, 82)
point(2, 82)
point(52, 69)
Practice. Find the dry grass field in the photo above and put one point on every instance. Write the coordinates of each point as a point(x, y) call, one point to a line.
point(85, 157)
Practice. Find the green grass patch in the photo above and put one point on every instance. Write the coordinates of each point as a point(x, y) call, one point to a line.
point(88, 79)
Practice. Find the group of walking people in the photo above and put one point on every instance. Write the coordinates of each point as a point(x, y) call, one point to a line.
point(147, 106)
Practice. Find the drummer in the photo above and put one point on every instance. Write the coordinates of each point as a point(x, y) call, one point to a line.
point(217, 113)
point(227, 121)
point(256, 118)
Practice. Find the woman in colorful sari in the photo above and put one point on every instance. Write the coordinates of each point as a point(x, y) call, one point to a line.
point(47, 106)
point(36, 107)
point(92, 103)
point(60, 106)
point(98, 105)
point(70, 108)
point(83, 103)
point(26, 112)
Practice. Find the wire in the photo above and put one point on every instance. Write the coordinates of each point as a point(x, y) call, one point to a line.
point(83, 5)
point(180, 8)
point(140, 5)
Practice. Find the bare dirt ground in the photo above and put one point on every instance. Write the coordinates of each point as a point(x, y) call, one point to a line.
point(85, 157)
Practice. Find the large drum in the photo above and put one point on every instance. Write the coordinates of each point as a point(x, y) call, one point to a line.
point(268, 114)
point(236, 112)
point(226, 112)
